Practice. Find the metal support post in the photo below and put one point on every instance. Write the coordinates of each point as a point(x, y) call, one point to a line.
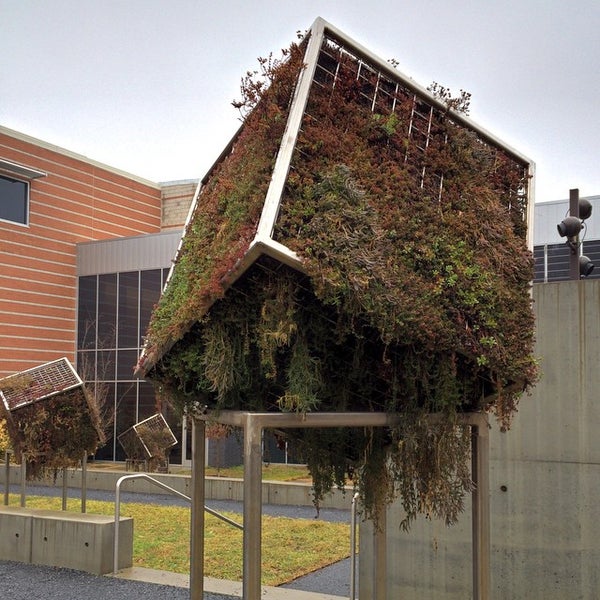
point(380, 556)
point(23, 479)
point(197, 513)
point(353, 516)
point(481, 510)
point(574, 256)
point(7, 477)
point(251, 589)
point(64, 488)
point(84, 483)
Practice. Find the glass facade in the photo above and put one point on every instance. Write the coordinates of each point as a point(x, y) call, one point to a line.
point(113, 312)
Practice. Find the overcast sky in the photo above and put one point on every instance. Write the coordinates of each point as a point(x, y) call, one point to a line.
point(146, 85)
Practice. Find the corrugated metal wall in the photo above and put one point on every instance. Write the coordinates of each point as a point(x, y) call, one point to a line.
point(127, 254)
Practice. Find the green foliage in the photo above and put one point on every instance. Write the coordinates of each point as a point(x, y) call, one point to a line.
point(228, 209)
point(4, 438)
point(414, 298)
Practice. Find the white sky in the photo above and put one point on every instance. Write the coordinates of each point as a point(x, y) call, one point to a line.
point(146, 85)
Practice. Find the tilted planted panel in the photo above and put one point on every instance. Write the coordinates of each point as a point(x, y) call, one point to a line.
point(148, 438)
point(40, 382)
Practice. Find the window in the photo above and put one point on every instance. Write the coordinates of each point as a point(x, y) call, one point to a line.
point(14, 200)
point(14, 191)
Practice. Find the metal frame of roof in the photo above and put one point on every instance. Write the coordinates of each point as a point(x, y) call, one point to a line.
point(44, 381)
point(156, 424)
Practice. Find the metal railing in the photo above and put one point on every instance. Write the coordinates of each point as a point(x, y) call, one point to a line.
point(164, 486)
point(353, 514)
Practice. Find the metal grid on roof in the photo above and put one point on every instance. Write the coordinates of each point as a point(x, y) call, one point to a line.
point(38, 383)
point(383, 93)
point(146, 438)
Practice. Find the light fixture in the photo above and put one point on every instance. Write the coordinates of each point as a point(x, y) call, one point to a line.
point(585, 209)
point(586, 266)
point(570, 227)
point(580, 209)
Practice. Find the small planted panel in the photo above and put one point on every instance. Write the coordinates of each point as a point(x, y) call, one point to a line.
point(148, 439)
point(38, 383)
point(52, 419)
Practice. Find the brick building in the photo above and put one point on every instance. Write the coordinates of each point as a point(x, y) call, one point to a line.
point(85, 250)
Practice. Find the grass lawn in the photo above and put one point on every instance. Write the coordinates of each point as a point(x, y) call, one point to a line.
point(290, 547)
point(270, 472)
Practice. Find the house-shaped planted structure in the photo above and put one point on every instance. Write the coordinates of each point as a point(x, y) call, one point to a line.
point(358, 246)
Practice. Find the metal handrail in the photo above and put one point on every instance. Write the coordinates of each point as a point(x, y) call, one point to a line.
point(353, 546)
point(164, 486)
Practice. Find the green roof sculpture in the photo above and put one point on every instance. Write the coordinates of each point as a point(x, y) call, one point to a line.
point(359, 246)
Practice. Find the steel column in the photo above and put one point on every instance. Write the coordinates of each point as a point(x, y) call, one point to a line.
point(197, 512)
point(380, 557)
point(252, 569)
point(353, 531)
point(6, 477)
point(23, 480)
point(84, 483)
point(64, 488)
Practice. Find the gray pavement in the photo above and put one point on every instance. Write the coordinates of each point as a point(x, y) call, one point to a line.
point(20, 581)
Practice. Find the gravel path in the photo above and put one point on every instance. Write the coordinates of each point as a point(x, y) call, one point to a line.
point(20, 581)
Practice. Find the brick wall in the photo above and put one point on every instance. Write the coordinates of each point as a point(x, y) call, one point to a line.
point(177, 197)
point(78, 200)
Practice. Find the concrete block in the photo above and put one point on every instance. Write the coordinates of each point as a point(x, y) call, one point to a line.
point(64, 539)
point(217, 488)
point(15, 534)
point(79, 541)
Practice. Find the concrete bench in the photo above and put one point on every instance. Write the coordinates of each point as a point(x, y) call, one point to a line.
point(64, 539)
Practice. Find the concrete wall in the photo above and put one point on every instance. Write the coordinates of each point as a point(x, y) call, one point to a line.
point(544, 481)
point(64, 539)
point(217, 488)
